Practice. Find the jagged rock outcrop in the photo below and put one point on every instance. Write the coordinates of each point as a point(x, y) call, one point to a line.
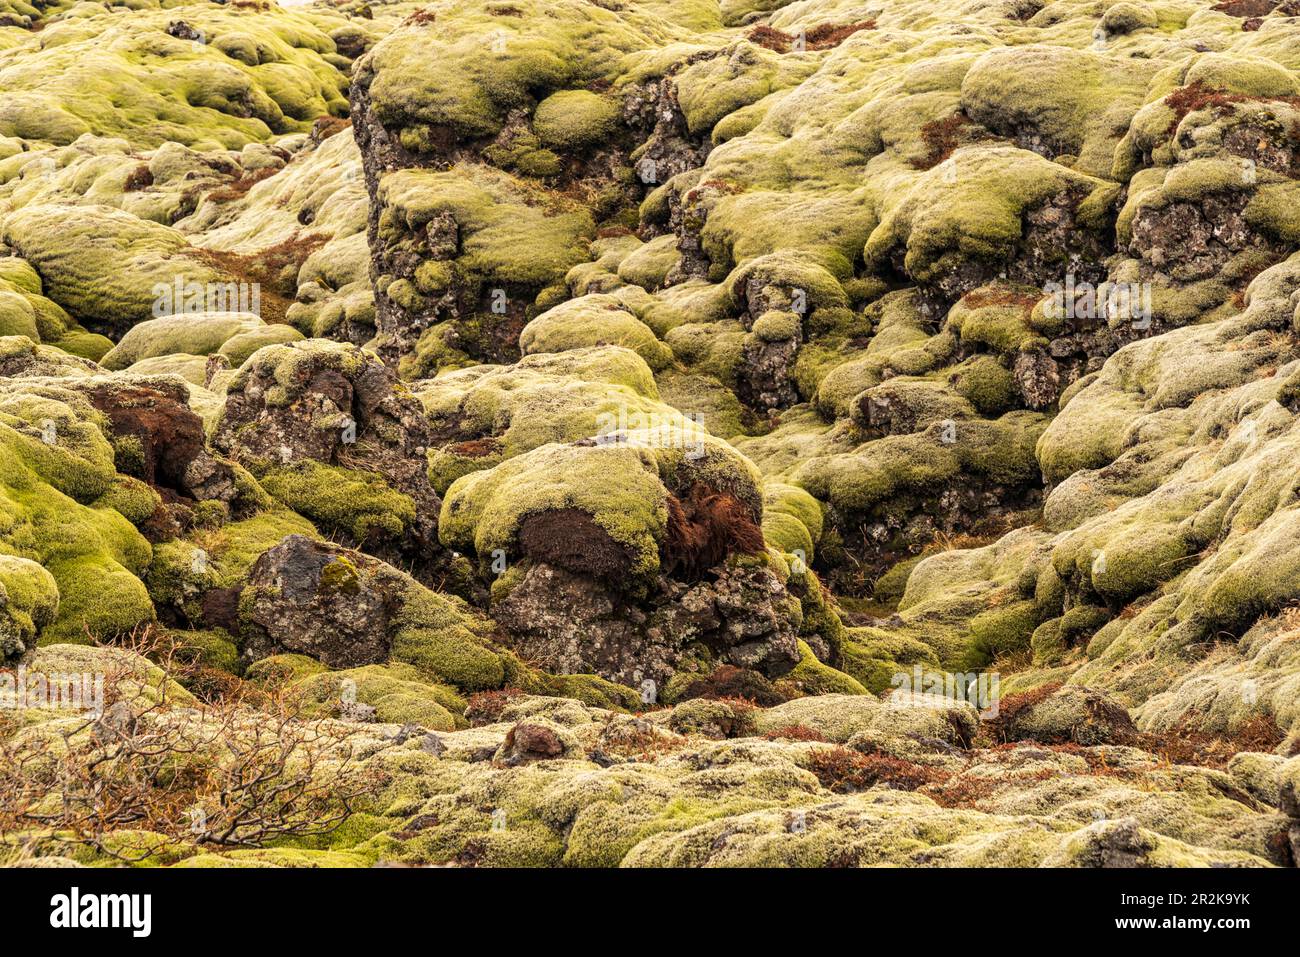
point(331, 432)
point(347, 609)
point(746, 617)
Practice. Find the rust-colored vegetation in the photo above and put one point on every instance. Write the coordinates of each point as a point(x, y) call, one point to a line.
point(943, 136)
point(843, 770)
point(979, 298)
point(240, 187)
point(706, 527)
point(1011, 706)
point(1197, 96)
point(795, 732)
point(824, 36)
point(476, 448)
point(732, 683)
point(274, 269)
point(486, 706)
point(139, 178)
point(1188, 745)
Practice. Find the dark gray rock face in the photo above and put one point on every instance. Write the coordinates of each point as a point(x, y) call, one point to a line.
point(1191, 241)
point(575, 623)
point(483, 321)
point(315, 599)
point(338, 406)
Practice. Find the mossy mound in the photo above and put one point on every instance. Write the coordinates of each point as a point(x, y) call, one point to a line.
point(25, 311)
point(57, 465)
point(398, 694)
point(495, 246)
point(621, 483)
point(480, 63)
point(216, 78)
point(969, 219)
point(29, 600)
point(107, 268)
point(593, 321)
point(236, 336)
point(485, 414)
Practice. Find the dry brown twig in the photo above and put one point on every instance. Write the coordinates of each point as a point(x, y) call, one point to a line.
point(219, 775)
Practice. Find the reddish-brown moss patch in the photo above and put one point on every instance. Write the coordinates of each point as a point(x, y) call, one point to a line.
point(824, 36)
point(943, 136)
point(1012, 706)
point(1246, 8)
point(844, 771)
point(240, 187)
point(1188, 745)
point(731, 683)
point(421, 16)
point(486, 706)
point(476, 448)
point(327, 126)
point(274, 269)
point(139, 178)
point(979, 298)
point(704, 528)
point(1198, 96)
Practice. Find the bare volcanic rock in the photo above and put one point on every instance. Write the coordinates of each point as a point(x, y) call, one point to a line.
point(347, 609)
point(315, 599)
point(332, 433)
point(165, 437)
point(576, 623)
